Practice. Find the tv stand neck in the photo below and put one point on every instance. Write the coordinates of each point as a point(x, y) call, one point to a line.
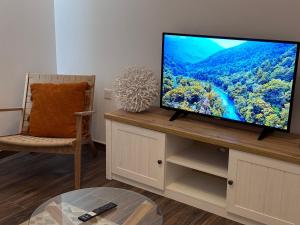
point(177, 114)
point(265, 132)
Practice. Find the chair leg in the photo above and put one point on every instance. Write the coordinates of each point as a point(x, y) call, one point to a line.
point(94, 149)
point(77, 166)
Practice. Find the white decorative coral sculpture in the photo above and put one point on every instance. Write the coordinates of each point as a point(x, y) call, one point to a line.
point(136, 89)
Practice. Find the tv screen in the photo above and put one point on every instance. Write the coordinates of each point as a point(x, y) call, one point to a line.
point(244, 80)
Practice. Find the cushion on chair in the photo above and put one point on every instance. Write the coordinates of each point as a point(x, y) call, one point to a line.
point(53, 107)
point(30, 141)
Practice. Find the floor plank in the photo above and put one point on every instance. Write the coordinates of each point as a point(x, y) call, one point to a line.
point(27, 180)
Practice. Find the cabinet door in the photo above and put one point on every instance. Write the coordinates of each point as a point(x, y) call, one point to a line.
point(138, 154)
point(264, 189)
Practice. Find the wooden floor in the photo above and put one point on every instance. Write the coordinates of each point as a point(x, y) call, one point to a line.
point(28, 180)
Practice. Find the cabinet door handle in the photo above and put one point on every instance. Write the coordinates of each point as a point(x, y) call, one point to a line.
point(230, 182)
point(159, 162)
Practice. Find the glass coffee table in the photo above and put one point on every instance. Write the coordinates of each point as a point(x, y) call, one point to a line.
point(64, 209)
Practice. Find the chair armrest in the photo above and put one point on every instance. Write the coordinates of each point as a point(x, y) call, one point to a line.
point(10, 109)
point(85, 113)
point(79, 123)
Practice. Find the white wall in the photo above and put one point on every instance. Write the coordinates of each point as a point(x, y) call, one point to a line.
point(104, 37)
point(27, 44)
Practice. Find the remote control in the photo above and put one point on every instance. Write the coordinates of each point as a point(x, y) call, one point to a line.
point(87, 216)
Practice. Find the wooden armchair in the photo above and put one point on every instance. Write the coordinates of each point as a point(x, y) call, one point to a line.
point(24, 142)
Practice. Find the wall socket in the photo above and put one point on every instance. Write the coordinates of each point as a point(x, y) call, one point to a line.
point(107, 94)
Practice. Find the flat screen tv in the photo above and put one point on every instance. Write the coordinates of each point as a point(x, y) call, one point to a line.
point(249, 81)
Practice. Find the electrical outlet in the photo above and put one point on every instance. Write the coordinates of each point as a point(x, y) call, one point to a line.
point(107, 94)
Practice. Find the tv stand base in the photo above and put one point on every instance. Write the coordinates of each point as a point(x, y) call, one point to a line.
point(206, 166)
point(177, 114)
point(265, 132)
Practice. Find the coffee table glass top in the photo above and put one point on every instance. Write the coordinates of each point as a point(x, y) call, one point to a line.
point(64, 209)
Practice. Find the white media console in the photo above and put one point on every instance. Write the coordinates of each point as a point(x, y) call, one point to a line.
point(222, 170)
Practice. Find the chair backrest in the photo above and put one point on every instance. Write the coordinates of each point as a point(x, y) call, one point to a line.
point(57, 79)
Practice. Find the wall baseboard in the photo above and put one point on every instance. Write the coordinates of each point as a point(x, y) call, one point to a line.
point(99, 142)
point(100, 145)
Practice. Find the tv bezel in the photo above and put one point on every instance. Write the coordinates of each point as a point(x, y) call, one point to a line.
point(222, 118)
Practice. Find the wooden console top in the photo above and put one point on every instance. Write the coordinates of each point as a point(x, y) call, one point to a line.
point(279, 145)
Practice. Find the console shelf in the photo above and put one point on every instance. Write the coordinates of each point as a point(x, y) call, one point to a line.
point(202, 187)
point(190, 160)
point(202, 158)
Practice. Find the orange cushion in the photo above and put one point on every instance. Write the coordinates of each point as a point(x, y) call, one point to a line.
point(53, 107)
